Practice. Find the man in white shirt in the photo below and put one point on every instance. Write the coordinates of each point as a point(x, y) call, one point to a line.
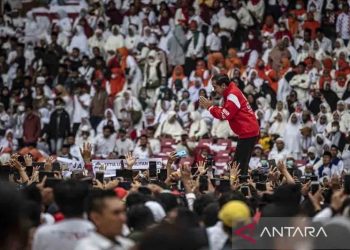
point(343, 24)
point(279, 152)
point(69, 196)
point(213, 41)
point(123, 145)
point(105, 143)
point(143, 150)
point(82, 101)
point(154, 142)
point(325, 43)
point(107, 212)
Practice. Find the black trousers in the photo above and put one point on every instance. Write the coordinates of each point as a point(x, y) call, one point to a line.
point(243, 153)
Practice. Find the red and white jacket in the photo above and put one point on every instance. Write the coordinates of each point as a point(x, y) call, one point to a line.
point(237, 111)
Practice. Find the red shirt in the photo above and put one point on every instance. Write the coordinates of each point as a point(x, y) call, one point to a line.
point(237, 111)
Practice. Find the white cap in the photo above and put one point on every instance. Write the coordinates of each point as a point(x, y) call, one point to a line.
point(40, 80)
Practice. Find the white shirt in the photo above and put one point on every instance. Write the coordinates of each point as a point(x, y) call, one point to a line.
point(195, 50)
point(343, 25)
point(213, 41)
point(326, 44)
point(104, 146)
point(141, 154)
point(227, 23)
point(62, 235)
point(98, 242)
point(123, 147)
point(79, 111)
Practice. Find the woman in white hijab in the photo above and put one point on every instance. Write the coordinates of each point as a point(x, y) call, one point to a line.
point(321, 144)
point(64, 23)
point(253, 82)
point(280, 108)
point(292, 136)
point(170, 127)
point(115, 41)
point(339, 47)
point(279, 124)
point(31, 29)
point(124, 104)
point(132, 39)
point(321, 124)
point(110, 119)
point(183, 114)
point(336, 117)
point(198, 127)
point(79, 41)
point(264, 105)
point(325, 110)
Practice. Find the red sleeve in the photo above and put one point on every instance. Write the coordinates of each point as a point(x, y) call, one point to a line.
point(226, 112)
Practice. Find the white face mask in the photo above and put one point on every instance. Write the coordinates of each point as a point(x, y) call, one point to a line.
point(298, 6)
point(334, 129)
point(282, 29)
point(265, 45)
point(250, 37)
point(312, 9)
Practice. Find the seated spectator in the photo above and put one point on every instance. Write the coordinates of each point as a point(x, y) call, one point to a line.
point(143, 148)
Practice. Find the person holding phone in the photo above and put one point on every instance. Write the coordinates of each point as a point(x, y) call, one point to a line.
point(237, 111)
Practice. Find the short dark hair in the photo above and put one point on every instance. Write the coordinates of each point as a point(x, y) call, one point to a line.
point(327, 153)
point(69, 196)
point(221, 79)
point(94, 202)
point(139, 217)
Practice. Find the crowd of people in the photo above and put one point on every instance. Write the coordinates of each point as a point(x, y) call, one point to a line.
point(123, 79)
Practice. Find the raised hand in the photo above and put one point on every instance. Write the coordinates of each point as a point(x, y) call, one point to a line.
point(172, 157)
point(234, 170)
point(201, 167)
point(48, 164)
point(185, 172)
point(130, 160)
point(28, 160)
point(86, 152)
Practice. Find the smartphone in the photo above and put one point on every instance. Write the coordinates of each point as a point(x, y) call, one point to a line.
point(347, 184)
point(313, 178)
point(145, 190)
point(224, 186)
point(262, 178)
point(29, 171)
point(152, 170)
point(41, 165)
point(243, 178)
point(125, 184)
point(125, 173)
point(272, 163)
point(48, 174)
point(52, 182)
point(194, 170)
point(56, 166)
point(100, 176)
point(314, 187)
point(209, 162)
point(261, 186)
point(181, 153)
point(245, 190)
point(162, 174)
point(5, 172)
point(203, 183)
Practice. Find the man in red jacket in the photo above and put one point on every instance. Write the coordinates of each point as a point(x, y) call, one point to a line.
point(237, 111)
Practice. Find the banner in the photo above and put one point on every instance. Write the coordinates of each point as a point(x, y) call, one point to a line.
point(110, 166)
point(72, 165)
